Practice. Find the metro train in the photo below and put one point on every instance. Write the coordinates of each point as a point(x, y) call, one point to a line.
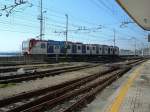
point(51, 47)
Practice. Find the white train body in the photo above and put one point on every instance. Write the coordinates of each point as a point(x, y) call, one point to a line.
point(51, 47)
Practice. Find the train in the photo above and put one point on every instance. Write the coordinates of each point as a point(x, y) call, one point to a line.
point(52, 47)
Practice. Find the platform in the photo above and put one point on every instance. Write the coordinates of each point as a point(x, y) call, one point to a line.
point(131, 93)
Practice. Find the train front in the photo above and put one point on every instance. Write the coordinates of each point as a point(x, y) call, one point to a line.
point(25, 47)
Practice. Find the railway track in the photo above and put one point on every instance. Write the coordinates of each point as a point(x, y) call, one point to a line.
point(89, 95)
point(51, 90)
point(5, 69)
point(74, 93)
point(40, 74)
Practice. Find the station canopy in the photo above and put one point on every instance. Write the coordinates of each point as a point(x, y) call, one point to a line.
point(138, 10)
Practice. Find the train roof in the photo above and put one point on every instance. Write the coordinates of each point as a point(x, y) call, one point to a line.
point(96, 44)
point(105, 45)
point(63, 42)
point(38, 40)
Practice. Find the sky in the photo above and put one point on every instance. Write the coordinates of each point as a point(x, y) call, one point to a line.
point(100, 18)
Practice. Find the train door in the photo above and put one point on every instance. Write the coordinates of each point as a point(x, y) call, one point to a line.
point(103, 50)
point(88, 49)
point(69, 48)
point(113, 51)
point(83, 49)
point(97, 49)
point(74, 49)
point(94, 50)
point(108, 50)
point(100, 50)
point(50, 49)
point(56, 49)
point(79, 48)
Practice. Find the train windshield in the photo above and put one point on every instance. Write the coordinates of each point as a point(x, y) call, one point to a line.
point(25, 44)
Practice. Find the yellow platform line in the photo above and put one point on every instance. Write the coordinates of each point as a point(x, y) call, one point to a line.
point(115, 107)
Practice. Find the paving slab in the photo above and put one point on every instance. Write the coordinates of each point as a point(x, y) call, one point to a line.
point(130, 93)
point(138, 97)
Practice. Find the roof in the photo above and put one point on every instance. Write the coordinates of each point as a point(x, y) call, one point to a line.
point(138, 10)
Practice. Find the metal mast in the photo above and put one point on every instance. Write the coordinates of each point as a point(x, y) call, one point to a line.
point(114, 37)
point(114, 40)
point(66, 33)
point(134, 45)
point(41, 19)
point(66, 30)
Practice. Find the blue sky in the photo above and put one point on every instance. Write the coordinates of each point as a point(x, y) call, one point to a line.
point(22, 24)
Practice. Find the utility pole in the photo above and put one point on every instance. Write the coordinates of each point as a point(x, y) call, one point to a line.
point(66, 32)
point(114, 40)
point(41, 19)
point(142, 48)
point(134, 46)
point(114, 37)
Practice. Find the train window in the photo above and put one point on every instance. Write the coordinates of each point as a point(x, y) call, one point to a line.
point(25, 45)
point(43, 45)
point(93, 48)
point(87, 48)
point(79, 47)
point(100, 49)
point(69, 46)
point(56, 47)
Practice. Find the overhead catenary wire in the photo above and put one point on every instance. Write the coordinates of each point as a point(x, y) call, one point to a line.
point(55, 21)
